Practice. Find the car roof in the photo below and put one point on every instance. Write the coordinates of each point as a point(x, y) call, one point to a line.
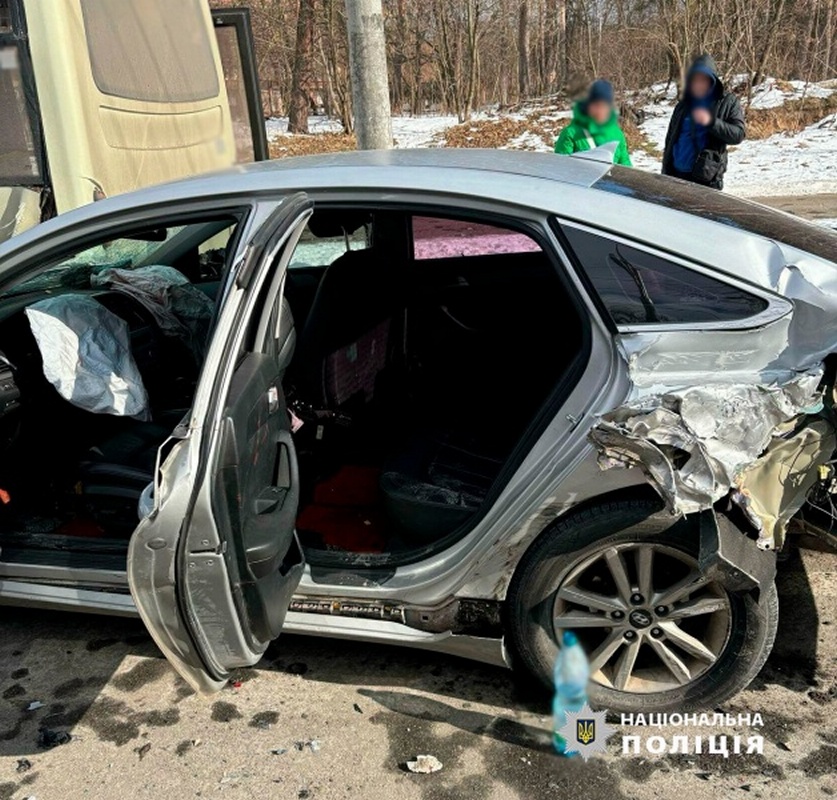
point(579, 189)
point(575, 171)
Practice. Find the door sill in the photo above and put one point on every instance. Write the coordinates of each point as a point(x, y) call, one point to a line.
point(53, 573)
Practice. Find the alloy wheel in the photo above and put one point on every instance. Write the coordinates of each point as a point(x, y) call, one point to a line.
point(646, 616)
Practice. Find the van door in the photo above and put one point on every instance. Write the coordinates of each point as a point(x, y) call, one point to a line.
point(238, 59)
point(212, 568)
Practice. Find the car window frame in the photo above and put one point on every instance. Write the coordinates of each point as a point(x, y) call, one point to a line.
point(777, 306)
point(28, 260)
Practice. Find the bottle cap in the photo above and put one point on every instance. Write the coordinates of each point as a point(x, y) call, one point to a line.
point(569, 639)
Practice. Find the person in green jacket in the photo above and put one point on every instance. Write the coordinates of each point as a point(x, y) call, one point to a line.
point(595, 122)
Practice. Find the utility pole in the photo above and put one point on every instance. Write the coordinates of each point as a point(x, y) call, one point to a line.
point(370, 82)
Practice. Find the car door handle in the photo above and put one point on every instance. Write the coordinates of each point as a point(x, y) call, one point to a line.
point(269, 499)
point(273, 497)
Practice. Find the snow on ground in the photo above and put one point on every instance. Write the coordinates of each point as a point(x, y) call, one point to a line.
point(772, 93)
point(407, 131)
point(784, 164)
point(804, 163)
point(419, 131)
point(278, 126)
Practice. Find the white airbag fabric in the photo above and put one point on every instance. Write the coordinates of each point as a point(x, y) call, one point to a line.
point(87, 355)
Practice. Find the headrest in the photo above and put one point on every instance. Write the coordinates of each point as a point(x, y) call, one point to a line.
point(328, 223)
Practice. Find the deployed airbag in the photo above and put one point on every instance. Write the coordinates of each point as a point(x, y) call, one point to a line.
point(87, 356)
point(178, 307)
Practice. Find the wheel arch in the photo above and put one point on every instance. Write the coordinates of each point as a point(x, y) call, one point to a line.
point(637, 493)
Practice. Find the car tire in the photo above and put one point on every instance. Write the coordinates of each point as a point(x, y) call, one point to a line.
point(570, 543)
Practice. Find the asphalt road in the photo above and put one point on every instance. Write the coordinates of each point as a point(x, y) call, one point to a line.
point(328, 719)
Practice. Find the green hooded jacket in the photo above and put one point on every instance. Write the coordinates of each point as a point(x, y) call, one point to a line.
point(576, 136)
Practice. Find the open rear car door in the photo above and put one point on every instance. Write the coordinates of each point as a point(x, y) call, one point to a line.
point(212, 568)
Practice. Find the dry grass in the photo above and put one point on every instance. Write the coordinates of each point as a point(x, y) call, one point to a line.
point(492, 133)
point(313, 144)
point(791, 117)
point(636, 138)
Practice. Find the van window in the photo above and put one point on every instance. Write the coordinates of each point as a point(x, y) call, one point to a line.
point(637, 287)
point(18, 153)
point(151, 50)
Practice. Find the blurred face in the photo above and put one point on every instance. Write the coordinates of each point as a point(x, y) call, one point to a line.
point(700, 85)
point(599, 111)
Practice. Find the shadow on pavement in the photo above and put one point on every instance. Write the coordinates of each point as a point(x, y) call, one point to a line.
point(62, 663)
point(501, 729)
point(793, 662)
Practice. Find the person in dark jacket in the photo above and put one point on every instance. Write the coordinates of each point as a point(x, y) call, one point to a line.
point(705, 122)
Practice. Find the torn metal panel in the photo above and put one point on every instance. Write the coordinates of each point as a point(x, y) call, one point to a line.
point(659, 359)
point(733, 560)
point(693, 443)
point(773, 488)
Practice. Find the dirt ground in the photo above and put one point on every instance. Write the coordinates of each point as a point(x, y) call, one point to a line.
point(329, 719)
point(815, 206)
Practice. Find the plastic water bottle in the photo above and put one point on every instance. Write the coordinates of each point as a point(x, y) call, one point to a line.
point(572, 672)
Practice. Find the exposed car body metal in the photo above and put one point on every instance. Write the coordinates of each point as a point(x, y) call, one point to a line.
point(722, 429)
point(773, 349)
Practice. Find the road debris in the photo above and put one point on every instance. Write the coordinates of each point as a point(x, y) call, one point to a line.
point(312, 744)
point(357, 708)
point(48, 738)
point(279, 751)
point(143, 750)
point(35, 705)
point(23, 765)
point(424, 765)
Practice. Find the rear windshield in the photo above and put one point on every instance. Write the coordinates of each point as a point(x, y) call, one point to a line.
point(721, 207)
point(155, 51)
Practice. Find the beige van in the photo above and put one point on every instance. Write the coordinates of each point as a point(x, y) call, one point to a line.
point(100, 97)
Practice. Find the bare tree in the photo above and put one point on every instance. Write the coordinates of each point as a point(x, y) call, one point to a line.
point(453, 56)
point(370, 84)
point(303, 68)
point(523, 49)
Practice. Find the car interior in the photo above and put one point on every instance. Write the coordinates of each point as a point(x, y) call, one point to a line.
point(427, 345)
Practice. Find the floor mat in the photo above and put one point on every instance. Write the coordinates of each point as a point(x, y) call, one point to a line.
point(356, 530)
point(351, 485)
point(81, 526)
point(345, 513)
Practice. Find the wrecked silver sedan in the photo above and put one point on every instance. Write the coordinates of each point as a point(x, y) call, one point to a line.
point(457, 400)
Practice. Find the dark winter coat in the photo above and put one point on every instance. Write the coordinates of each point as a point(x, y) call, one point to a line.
point(727, 128)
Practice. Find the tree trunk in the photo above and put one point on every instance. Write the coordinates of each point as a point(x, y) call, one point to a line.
point(523, 49)
point(562, 56)
point(770, 40)
point(829, 37)
point(303, 69)
point(368, 65)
